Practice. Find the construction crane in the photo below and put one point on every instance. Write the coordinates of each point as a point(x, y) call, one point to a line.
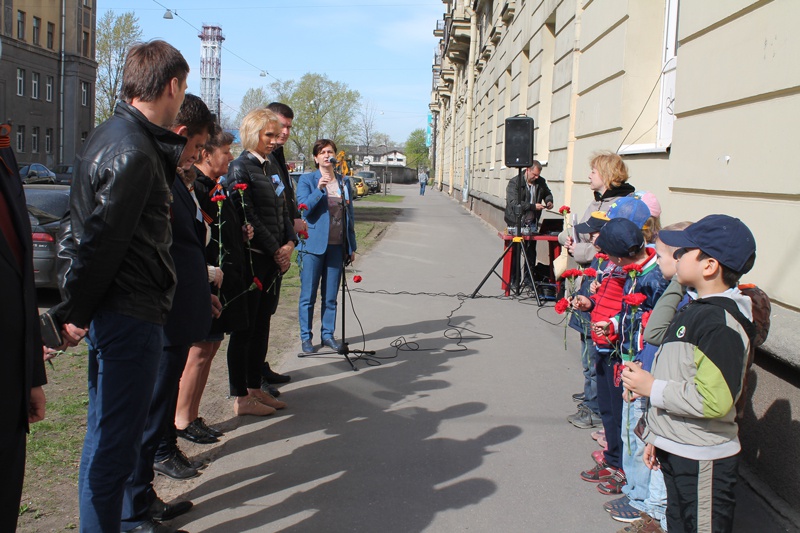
point(341, 164)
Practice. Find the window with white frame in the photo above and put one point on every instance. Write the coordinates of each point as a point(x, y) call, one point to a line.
point(85, 89)
point(35, 85)
point(666, 107)
point(20, 82)
point(48, 89)
point(48, 140)
point(20, 139)
point(35, 140)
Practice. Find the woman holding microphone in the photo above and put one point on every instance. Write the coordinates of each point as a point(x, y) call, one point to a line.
point(331, 242)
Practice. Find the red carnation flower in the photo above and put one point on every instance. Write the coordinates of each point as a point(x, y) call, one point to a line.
point(564, 209)
point(634, 300)
point(356, 279)
point(258, 284)
point(302, 207)
point(218, 198)
point(590, 272)
point(303, 234)
point(601, 256)
point(240, 187)
point(571, 273)
point(562, 305)
point(632, 268)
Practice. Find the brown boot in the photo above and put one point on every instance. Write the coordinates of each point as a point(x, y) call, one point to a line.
point(247, 405)
point(266, 399)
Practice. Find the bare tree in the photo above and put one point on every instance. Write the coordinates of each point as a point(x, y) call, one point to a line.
point(252, 99)
point(115, 35)
point(366, 125)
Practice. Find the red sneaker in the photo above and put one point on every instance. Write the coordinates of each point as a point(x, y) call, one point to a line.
point(599, 473)
point(612, 485)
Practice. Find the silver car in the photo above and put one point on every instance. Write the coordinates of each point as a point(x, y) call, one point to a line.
point(46, 205)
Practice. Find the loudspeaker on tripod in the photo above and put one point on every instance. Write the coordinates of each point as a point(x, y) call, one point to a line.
point(519, 142)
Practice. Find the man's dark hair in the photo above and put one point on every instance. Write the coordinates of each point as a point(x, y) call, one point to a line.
point(194, 114)
point(730, 277)
point(281, 109)
point(536, 164)
point(149, 68)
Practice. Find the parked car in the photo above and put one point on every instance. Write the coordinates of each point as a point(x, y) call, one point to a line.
point(37, 173)
point(371, 180)
point(63, 174)
point(46, 205)
point(360, 186)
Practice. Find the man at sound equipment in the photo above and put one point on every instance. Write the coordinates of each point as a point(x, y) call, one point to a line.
point(532, 198)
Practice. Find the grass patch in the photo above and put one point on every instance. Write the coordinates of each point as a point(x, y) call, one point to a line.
point(389, 198)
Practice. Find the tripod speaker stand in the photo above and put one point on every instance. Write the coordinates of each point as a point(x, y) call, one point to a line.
point(519, 154)
point(517, 251)
point(344, 347)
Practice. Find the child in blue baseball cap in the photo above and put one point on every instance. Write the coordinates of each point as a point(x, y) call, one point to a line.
point(690, 425)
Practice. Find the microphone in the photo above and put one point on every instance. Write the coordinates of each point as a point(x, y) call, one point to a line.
point(332, 160)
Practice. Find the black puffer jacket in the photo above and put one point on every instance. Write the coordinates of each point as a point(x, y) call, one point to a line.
point(118, 235)
point(263, 208)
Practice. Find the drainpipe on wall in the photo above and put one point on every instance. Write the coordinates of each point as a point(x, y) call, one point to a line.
point(569, 168)
point(473, 37)
point(439, 155)
point(61, 84)
point(453, 106)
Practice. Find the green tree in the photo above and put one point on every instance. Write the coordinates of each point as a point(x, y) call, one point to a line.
point(417, 150)
point(115, 35)
point(252, 99)
point(323, 108)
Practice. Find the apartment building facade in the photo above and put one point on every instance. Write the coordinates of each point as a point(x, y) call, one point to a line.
point(47, 77)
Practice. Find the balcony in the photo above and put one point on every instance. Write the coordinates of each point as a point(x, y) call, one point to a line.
point(439, 31)
point(507, 12)
point(457, 46)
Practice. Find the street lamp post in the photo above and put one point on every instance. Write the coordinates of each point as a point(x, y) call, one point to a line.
point(385, 166)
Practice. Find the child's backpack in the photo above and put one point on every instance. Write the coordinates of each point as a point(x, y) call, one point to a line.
point(757, 329)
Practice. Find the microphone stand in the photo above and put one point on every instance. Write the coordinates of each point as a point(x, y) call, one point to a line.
point(344, 347)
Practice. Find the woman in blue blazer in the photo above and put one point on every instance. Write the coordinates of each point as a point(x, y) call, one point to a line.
point(323, 254)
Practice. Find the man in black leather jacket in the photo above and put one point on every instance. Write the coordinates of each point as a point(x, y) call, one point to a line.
point(120, 278)
point(534, 197)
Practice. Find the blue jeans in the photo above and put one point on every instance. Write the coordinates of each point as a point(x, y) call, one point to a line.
point(320, 272)
point(589, 360)
point(645, 489)
point(422, 185)
point(609, 398)
point(139, 493)
point(123, 359)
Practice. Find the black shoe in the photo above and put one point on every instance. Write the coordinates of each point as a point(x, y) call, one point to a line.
point(197, 465)
point(331, 343)
point(272, 377)
point(175, 468)
point(193, 432)
point(151, 526)
point(269, 389)
point(578, 397)
point(167, 511)
point(307, 346)
point(208, 429)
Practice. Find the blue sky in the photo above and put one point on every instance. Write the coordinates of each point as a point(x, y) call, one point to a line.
point(383, 49)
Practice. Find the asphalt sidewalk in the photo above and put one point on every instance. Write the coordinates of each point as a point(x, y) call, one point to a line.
point(462, 425)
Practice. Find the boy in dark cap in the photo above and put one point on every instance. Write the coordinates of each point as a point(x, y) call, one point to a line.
point(624, 243)
point(697, 376)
